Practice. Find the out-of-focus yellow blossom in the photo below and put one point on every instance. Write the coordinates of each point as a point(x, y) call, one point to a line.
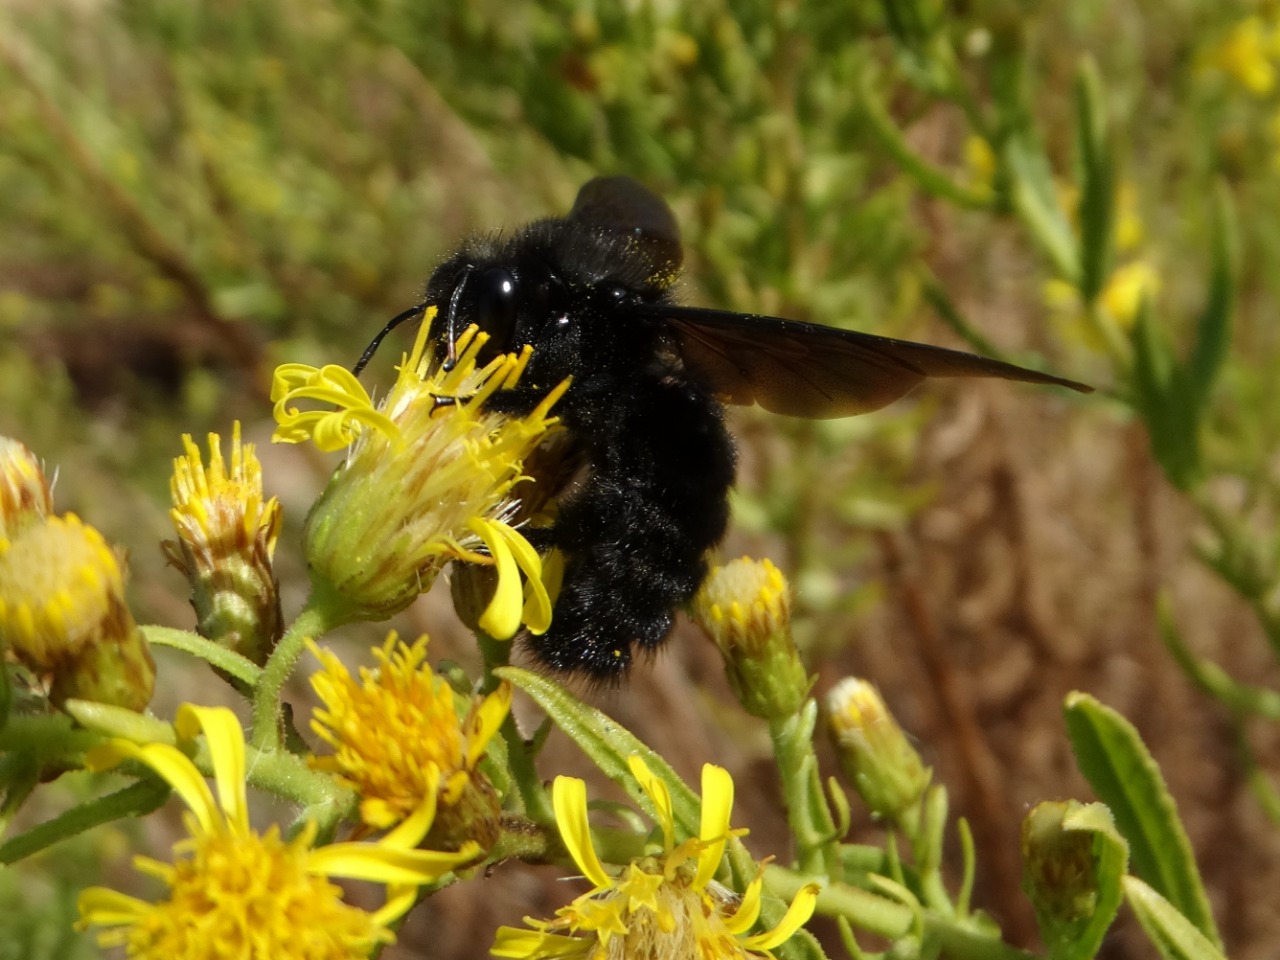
point(428, 479)
point(226, 538)
point(63, 614)
point(980, 161)
point(234, 892)
point(1126, 289)
point(1247, 54)
point(1127, 286)
point(25, 496)
point(665, 906)
point(400, 734)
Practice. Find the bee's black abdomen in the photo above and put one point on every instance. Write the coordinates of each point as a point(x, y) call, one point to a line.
point(637, 532)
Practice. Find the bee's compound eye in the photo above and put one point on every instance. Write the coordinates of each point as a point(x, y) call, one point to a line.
point(497, 299)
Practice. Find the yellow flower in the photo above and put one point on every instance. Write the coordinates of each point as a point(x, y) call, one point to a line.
point(665, 906)
point(234, 892)
point(226, 539)
point(24, 492)
point(428, 479)
point(1127, 288)
point(980, 160)
point(745, 606)
point(63, 614)
point(398, 734)
point(1246, 54)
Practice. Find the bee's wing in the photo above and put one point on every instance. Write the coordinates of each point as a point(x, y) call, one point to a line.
point(805, 370)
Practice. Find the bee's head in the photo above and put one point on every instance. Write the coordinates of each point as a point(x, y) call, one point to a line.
point(514, 301)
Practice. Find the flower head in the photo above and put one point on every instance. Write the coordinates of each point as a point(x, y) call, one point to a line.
point(63, 614)
point(660, 907)
point(401, 736)
point(234, 892)
point(428, 479)
point(745, 606)
point(226, 538)
point(25, 496)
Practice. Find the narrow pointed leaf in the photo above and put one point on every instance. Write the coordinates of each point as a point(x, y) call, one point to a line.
point(1097, 182)
point(1174, 936)
point(1123, 774)
point(608, 744)
point(1213, 329)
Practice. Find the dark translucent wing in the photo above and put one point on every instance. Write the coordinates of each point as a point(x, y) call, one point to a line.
point(805, 370)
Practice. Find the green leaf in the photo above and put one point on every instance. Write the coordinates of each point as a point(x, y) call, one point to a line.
point(608, 744)
point(1173, 935)
point(1163, 400)
point(1213, 329)
point(1097, 182)
point(1114, 760)
point(1036, 199)
point(135, 800)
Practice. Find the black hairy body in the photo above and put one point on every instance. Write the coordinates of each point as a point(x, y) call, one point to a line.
point(592, 293)
point(636, 530)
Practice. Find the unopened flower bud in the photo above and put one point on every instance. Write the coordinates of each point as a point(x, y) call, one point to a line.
point(874, 752)
point(1061, 871)
point(24, 492)
point(226, 539)
point(63, 615)
point(745, 606)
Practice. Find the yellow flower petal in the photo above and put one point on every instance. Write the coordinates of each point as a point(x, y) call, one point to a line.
point(501, 619)
point(330, 429)
point(659, 794)
point(797, 916)
point(485, 721)
point(173, 766)
point(748, 910)
point(717, 808)
point(410, 831)
point(225, 738)
point(382, 864)
point(569, 800)
point(536, 945)
point(108, 908)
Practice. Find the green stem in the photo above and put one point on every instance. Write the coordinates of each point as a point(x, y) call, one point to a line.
point(133, 801)
point(520, 763)
point(313, 621)
point(812, 824)
point(931, 178)
point(207, 650)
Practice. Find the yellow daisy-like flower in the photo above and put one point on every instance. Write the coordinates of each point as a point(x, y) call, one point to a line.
point(63, 614)
point(234, 892)
point(667, 906)
point(428, 479)
point(398, 734)
point(226, 538)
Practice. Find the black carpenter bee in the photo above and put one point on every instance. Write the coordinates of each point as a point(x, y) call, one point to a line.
point(593, 293)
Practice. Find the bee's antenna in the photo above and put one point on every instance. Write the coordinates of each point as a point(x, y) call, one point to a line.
point(451, 322)
point(373, 345)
